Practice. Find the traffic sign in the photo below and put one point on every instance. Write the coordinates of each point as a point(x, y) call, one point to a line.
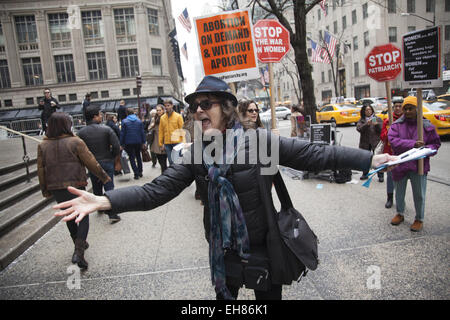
point(384, 63)
point(272, 40)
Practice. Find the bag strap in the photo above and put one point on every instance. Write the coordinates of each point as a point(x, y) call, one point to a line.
point(282, 192)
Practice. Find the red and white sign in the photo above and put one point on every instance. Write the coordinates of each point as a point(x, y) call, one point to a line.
point(272, 40)
point(384, 63)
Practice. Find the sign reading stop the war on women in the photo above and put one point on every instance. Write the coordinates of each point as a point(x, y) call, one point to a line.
point(226, 46)
point(272, 40)
point(422, 58)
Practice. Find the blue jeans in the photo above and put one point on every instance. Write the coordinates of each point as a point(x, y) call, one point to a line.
point(97, 184)
point(419, 189)
point(389, 183)
point(169, 148)
point(134, 152)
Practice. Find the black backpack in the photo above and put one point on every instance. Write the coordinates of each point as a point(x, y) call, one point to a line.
point(343, 176)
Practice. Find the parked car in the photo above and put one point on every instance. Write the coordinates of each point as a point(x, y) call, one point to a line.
point(437, 112)
point(377, 103)
point(338, 113)
point(280, 112)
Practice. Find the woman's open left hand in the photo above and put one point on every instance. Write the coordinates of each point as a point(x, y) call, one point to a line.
point(81, 206)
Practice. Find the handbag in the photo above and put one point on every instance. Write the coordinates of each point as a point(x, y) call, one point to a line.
point(253, 272)
point(294, 230)
point(124, 162)
point(145, 154)
point(379, 148)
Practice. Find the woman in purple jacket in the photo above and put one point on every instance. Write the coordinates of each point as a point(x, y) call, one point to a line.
point(403, 137)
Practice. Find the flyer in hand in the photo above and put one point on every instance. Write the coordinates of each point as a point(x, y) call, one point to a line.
point(410, 155)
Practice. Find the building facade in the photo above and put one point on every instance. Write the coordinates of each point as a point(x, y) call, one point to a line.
point(361, 25)
point(79, 47)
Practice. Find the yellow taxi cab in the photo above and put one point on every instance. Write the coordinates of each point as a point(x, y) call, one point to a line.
point(437, 112)
point(445, 97)
point(338, 113)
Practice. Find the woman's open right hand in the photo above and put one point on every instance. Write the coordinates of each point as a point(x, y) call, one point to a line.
point(81, 206)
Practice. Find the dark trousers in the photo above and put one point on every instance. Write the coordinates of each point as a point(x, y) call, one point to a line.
point(162, 160)
point(77, 231)
point(154, 158)
point(365, 173)
point(97, 184)
point(134, 152)
point(273, 294)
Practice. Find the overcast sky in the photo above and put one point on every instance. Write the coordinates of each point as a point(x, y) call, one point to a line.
point(192, 69)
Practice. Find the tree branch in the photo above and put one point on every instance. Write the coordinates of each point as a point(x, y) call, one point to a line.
point(312, 5)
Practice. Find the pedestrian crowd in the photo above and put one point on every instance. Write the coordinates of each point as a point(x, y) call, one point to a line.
point(236, 198)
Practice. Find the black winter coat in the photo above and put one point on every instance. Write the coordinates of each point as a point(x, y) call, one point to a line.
point(293, 153)
point(47, 108)
point(101, 141)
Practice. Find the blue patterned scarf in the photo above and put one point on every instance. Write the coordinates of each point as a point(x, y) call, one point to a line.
point(228, 229)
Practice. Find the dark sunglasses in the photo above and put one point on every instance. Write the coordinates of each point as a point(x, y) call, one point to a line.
point(253, 110)
point(204, 105)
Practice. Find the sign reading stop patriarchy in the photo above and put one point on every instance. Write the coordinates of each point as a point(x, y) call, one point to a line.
point(384, 63)
point(227, 47)
point(272, 40)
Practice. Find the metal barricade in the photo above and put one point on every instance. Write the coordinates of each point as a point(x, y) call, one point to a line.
point(27, 126)
point(4, 133)
point(78, 121)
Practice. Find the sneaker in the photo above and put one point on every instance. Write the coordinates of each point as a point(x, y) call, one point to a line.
point(136, 177)
point(397, 220)
point(417, 226)
point(381, 179)
point(114, 218)
point(363, 177)
point(140, 175)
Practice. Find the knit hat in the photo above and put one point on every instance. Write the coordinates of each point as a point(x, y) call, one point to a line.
point(410, 100)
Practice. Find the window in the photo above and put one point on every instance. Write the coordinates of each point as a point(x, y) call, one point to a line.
point(5, 81)
point(156, 62)
point(125, 92)
point(59, 32)
point(430, 5)
point(411, 6)
point(323, 77)
point(92, 27)
point(344, 22)
point(97, 65)
point(365, 11)
point(26, 33)
point(411, 28)
point(94, 94)
point(318, 14)
point(129, 65)
point(8, 103)
point(366, 39)
point(447, 32)
point(335, 27)
point(29, 101)
point(330, 76)
point(392, 6)
point(447, 60)
point(153, 26)
point(2, 39)
point(447, 5)
point(125, 26)
point(356, 69)
point(355, 43)
point(32, 71)
point(62, 98)
point(392, 34)
point(354, 18)
point(136, 91)
point(105, 94)
point(65, 70)
point(73, 97)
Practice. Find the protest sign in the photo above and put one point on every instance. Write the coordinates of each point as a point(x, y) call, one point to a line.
point(226, 46)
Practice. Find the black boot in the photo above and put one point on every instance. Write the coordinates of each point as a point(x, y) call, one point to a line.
point(78, 256)
point(74, 256)
point(389, 201)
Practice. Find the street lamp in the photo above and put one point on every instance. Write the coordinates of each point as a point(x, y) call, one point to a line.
point(404, 14)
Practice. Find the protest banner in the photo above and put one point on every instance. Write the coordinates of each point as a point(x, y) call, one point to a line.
point(226, 46)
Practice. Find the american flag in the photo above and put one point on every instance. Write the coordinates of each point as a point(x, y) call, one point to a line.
point(316, 52)
point(323, 6)
point(330, 43)
point(184, 20)
point(184, 51)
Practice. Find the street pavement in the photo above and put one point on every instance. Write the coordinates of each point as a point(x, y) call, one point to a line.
point(163, 254)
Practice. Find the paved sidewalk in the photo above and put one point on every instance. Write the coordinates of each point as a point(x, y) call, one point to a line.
point(163, 254)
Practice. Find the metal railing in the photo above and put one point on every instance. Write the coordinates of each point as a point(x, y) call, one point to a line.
point(25, 158)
